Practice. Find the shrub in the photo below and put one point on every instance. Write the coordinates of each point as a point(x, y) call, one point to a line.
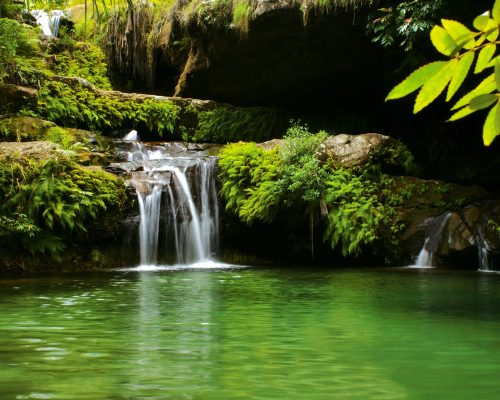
point(257, 185)
point(44, 202)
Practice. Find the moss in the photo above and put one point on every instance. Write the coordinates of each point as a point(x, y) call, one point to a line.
point(78, 106)
point(90, 148)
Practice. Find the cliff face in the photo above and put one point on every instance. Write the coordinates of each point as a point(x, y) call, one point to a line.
point(278, 54)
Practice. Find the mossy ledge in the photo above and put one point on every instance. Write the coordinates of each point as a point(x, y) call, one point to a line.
point(75, 102)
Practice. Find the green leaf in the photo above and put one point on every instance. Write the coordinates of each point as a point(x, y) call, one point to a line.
point(482, 101)
point(462, 113)
point(435, 86)
point(461, 71)
point(487, 86)
point(482, 22)
point(484, 58)
point(491, 125)
point(461, 35)
point(493, 34)
point(495, 13)
point(493, 62)
point(497, 74)
point(416, 80)
point(442, 41)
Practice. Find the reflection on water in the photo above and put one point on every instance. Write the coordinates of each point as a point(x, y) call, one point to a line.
point(254, 334)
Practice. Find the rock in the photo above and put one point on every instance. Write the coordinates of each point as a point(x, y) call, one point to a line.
point(451, 220)
point(13, 98)
point(271, 144)
point(283, 53)
point(38, 150)
point(23, 128)
point(354, 150)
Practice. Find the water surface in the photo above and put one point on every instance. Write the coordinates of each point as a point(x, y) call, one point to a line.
point(251, 334)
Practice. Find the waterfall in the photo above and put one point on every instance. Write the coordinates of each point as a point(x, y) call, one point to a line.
point(177, 198)
point(424, 258)
point(43, 21)
point(55, 21)
point(483, 251)
point(436, 227)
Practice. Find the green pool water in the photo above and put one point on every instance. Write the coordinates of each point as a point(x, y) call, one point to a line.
point(251, 334)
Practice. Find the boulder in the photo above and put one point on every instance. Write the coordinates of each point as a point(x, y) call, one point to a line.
point(23, 128)
point(13, 98)
point(356, 150)
point(39, 150)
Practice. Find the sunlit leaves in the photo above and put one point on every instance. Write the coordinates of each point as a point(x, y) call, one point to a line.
point(491, 126)
point(461, 35)
point(442, 41)
point(459, 74)
point(484, 57)
point(455, 40)
point(416, 80)
point(435, 86)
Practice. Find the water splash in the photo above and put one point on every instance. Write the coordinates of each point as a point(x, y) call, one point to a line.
point(131, 136)
point(424, 258)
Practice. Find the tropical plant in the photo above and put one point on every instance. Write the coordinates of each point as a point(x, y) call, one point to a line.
point(43, 202)
point(260, 185)
point(463, 47)
point(17, 43)
point(403, 24)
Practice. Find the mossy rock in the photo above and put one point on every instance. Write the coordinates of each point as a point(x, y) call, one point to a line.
point(23, 128)
point(359, 151)
point(15, 98)
point(38, 150)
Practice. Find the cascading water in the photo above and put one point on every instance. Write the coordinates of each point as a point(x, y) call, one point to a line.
point(48, 25)
point(432, 242)
point(178, 204)
point(483, 251)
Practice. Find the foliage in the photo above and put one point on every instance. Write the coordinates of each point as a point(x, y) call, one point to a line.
point(404, 23)
point(68, 57)
point(17, 44)
point(43, 202)
point(229, 124)
point(462, 45)
point(248, 175)
point(257, 185)
point(79, 106)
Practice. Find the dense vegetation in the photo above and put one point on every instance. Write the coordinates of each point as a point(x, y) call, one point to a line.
point(349, 205)
point(47, 202)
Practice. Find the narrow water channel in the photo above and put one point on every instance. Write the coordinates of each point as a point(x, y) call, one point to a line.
point(247, 333)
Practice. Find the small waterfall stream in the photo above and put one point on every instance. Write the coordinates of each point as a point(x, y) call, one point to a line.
point(178, 204)
point(432, 242)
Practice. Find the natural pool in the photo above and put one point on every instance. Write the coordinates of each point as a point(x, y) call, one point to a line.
point(251, 334)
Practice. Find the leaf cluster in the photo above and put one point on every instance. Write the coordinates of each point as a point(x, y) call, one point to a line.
point(463, 47)
point(403, 24)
